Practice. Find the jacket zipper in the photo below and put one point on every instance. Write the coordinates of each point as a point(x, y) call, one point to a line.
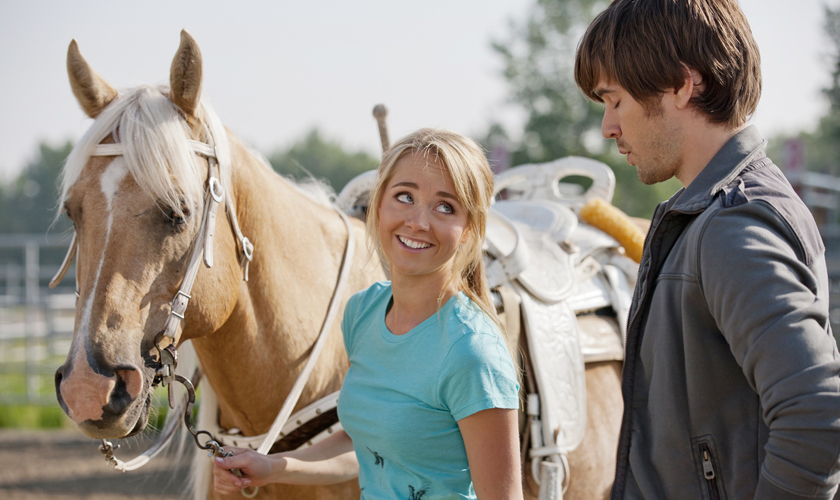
point(709, 471)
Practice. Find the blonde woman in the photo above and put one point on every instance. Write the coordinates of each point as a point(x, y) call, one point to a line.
point(429, 403)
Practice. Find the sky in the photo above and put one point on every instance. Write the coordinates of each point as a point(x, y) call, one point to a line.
point(274, 70)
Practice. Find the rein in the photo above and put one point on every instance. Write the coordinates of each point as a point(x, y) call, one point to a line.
point(167, 339)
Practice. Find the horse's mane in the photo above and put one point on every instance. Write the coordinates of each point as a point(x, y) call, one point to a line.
point(154, 136)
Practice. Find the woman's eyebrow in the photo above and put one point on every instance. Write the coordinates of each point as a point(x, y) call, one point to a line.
point(442, 194)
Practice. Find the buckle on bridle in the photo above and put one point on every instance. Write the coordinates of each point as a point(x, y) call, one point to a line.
point(168, 359)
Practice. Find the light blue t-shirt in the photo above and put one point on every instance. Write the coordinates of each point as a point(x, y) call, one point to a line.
point(404, 394)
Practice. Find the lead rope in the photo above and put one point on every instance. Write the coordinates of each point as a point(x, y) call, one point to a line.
point(297, 389)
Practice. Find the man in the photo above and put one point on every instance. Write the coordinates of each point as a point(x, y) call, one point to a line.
point(730, 383)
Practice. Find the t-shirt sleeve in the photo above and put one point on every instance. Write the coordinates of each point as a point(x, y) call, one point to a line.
point(477, 374)
point(347, 322)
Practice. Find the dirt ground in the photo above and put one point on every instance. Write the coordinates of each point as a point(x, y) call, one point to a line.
point(66, 465)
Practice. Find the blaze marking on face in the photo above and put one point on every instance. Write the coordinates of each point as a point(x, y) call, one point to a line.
point(110, 183)
point(84, 391)
point(111, 179)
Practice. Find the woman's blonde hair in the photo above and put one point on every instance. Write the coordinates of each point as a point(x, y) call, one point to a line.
point(467, 165)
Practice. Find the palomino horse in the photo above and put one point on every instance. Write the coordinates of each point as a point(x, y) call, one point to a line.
point(136, 217)
point(137, 214)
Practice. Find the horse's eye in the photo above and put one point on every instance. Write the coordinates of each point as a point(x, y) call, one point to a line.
point(68, 212)
point(176, 220)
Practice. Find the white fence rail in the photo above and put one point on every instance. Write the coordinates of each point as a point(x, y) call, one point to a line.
point(36, 323)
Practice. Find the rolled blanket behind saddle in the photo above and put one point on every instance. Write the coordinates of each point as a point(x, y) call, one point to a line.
point(617, 224)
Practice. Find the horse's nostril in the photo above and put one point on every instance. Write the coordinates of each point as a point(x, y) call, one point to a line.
point(132, 380)
point(129, 382)
point(119, 399)
point(59, 376)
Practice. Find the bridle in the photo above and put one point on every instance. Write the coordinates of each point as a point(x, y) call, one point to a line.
point(202, 250)
point(165, 342)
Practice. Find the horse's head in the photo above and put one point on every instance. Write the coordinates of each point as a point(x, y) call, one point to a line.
point(137, 215)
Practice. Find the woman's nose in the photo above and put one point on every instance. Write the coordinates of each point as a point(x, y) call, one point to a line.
point(417, 219)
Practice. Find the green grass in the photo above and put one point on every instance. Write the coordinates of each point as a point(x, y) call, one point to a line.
point(49, 415)
point(32, 417)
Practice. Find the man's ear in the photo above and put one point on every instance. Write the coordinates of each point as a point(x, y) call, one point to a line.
point(693, 85)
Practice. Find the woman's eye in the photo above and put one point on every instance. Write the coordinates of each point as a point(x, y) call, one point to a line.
point(405, 198)
point(445, 208)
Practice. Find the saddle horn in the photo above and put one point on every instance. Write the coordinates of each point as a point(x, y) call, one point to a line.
point(380, 112)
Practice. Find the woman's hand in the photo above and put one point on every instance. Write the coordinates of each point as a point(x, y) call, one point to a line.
point(327, 462)
point(257, 470)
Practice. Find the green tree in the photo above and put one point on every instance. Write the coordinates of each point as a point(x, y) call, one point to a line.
point(538, 56)
point(28, 203)
point(823, 145)
point(322, 158)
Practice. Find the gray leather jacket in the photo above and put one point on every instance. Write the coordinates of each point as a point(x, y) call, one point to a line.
point(731, 380)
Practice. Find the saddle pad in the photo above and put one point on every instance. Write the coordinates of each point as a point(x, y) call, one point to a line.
point(600, 339)
point(554, 347)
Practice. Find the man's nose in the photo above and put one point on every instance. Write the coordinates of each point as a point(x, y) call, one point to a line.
point(609, 126)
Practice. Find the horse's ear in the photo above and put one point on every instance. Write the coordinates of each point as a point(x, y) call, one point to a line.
point(185, 75)
point(90, 89)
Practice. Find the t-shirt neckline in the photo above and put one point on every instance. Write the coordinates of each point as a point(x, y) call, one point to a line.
point(393, 338)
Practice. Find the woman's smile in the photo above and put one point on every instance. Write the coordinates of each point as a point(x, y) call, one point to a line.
point(413, 244)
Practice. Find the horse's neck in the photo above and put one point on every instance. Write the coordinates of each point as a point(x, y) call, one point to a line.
point(254, 358)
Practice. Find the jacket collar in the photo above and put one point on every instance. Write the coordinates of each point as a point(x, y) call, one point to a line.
point(724, 167)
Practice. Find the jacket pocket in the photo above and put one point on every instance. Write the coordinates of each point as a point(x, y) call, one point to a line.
point(708, 468)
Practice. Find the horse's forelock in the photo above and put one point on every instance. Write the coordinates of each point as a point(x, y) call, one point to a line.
point(154, 137)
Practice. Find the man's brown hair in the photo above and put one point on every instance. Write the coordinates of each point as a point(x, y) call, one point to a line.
point(643, 46)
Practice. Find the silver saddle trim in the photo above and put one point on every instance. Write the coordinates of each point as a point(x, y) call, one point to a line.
point(554, 346)
point(234, 437)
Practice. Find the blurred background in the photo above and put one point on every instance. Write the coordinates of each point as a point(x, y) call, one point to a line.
point(298, 81)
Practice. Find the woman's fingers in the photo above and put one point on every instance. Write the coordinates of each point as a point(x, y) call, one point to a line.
point(224, 480)
point(234, 462)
